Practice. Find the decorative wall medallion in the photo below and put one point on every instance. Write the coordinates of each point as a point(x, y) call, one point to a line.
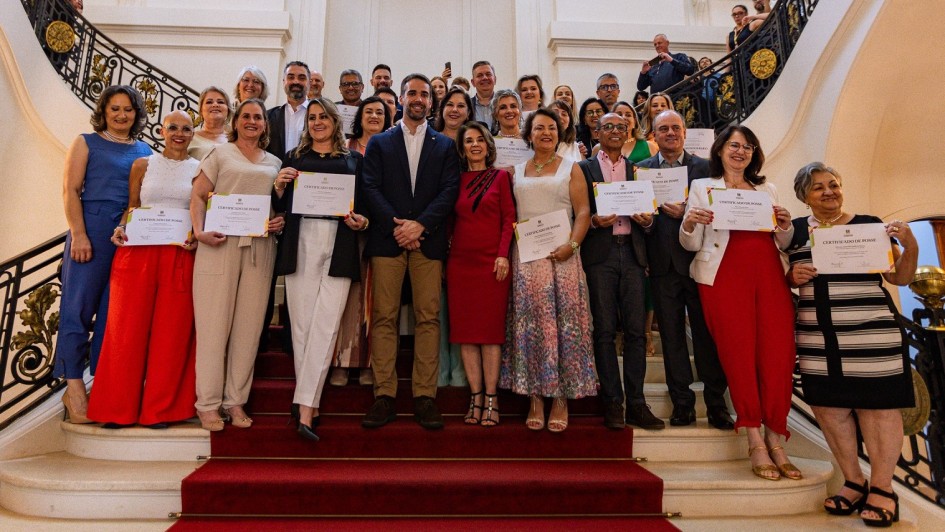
point(60, 37)
point(914, 419)
point(763, 63)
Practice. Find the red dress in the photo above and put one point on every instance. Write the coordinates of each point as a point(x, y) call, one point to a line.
point(484, 216)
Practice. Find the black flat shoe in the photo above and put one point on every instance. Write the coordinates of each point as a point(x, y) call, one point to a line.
point(886, 517)
point(307, 433)
point(156, 426)
point(843, 505)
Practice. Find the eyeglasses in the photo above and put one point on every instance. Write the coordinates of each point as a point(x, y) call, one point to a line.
point(739, 14)
point(610, 127)
point(351, 84)
point(251, 81)
point(608, 87)
point(187, 130)
point(735, 146)
point(594, 112)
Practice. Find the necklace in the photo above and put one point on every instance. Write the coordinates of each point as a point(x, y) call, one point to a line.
point(120, 140)
point(540, 167)
point(827, 222)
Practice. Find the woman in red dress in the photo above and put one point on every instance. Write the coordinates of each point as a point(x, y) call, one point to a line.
point(477, 271)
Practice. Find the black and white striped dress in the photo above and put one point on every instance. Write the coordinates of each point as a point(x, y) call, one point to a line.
point(851, 351)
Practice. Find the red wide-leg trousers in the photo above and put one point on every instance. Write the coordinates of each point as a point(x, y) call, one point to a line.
point(750, 314)
point(146, 370)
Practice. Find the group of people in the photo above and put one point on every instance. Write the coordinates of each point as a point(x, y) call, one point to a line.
point(177, 328)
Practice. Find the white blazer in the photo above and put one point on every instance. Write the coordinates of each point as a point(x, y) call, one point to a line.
point(709, 244)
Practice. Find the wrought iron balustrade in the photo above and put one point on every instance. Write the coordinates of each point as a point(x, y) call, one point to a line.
point(729, 90)
point(88, 61)
point(29, 320)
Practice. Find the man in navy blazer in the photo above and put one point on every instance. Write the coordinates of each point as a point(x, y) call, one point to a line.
point(411, 181)
point(675, 293)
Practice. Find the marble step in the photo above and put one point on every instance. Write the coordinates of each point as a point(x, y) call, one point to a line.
point(729, 489)
point(695, 443)
point(813, 522)
point(181, 442)
point(61, 485)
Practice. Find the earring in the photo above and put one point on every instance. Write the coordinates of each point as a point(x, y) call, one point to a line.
point(807, 206)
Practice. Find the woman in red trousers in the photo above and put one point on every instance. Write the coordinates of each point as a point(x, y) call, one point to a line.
point(746, 300)
point(146, 369)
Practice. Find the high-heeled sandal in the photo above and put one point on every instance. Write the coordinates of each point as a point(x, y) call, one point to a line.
point(787, 469)
point(536, 413)
point(886, 517)
point(843, 505)
point(238, 417)
point(760, 470)
point(557, 423)
point(210, 420)
point(471, 417)
point(71, 413)
point(487, 419)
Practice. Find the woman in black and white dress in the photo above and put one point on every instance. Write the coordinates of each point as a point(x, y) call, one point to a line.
point(852, 352)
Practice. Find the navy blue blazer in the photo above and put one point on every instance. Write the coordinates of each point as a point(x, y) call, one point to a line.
point(386, 186)
point(663, 249)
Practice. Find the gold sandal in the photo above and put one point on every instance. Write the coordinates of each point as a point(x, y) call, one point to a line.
point(559, 422)
point(787, 469)
point(760, 470)
point(536, 413)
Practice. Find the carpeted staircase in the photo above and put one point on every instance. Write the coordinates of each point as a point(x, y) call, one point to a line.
point(402, 477)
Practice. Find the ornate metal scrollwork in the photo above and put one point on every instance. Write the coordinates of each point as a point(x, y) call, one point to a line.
point(60, 37)
point(31, 364)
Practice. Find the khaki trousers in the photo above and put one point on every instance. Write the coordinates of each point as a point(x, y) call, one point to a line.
point(426, 281)
point(231, 290)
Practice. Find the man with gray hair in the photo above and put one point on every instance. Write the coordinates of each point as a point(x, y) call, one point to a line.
point(351, 86)
point(608, 89)
point(668, 70)
point(674, 292)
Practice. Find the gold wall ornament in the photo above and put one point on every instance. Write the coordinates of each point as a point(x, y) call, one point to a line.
point(763, 63)
point(928, 284)
point(60, 37)
point(914, 419)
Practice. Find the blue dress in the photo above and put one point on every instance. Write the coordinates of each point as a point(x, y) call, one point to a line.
point(85, 286)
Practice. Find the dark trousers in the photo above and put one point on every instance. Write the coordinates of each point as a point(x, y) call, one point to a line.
point(673, 296)
point(616, 291)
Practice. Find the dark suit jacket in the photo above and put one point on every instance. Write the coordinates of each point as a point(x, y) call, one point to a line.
point(345, 257)
point(276, 119)
point(597, 242)
point(386, 185)
point(662, 241)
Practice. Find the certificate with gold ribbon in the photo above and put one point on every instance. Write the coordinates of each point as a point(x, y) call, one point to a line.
point(238, 214)
point(157, 226)
point(741, 210)
point(670, 185)
point(854, 248)
point(624, 198)
point(318, 194)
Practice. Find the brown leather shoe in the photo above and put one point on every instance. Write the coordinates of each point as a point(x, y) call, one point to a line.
point(381, 413)
point(426, 413)
point(613, 416)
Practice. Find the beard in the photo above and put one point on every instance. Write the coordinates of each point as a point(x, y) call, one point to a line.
point(414, 115)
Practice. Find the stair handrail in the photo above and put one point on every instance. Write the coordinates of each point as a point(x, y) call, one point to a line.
point(88, 61)
point(730, 89)
point(30, 286)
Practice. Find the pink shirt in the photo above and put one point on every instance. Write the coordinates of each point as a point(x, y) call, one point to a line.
point(615, 172)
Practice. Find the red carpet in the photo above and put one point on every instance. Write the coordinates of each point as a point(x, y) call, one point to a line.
point(402, 477)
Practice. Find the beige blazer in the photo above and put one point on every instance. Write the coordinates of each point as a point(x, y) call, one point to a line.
point(709, 244)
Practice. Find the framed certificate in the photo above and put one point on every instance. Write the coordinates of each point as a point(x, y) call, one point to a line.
point(509, 152)
point(699, 142)
point(855, 248)
point(347, 113)
point(537, 237)
point(741, 210)
point(157, 226)
point(238, 214)
point(323, 194)
point(670, 185)
point(624, 198)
